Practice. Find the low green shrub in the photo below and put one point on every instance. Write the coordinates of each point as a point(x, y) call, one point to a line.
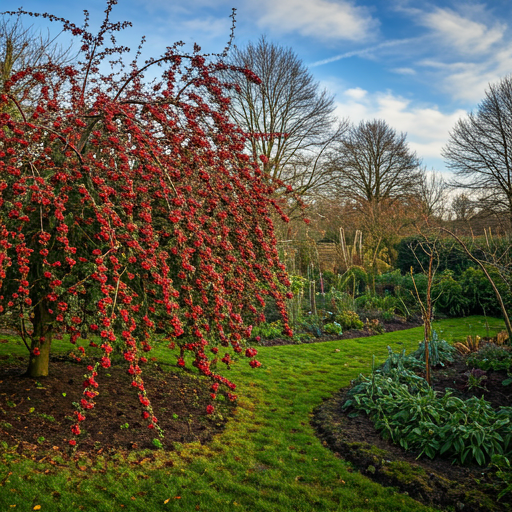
point(267, 330)
point(466, 430)
point(440, 351)
point(333, 328)
point(348, 320)
point(491, 357)
point(405, 409)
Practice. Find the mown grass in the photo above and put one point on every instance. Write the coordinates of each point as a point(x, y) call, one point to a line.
point(267, 459)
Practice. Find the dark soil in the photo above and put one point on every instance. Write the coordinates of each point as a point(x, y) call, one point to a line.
point(435, 482)
point(36, 414)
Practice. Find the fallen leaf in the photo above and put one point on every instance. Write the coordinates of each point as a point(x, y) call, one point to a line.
point(37, 507)
point(167, 500)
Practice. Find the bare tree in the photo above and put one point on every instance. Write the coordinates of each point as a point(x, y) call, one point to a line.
point(463, 207)
point(23, 47)
point(375, 164)
point(479, 149)
point(432, 193)
point(289, 105)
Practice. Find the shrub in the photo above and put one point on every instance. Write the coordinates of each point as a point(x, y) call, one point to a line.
point(417, 419)
point(349, 320)
point(490, 357)
point(333, 328)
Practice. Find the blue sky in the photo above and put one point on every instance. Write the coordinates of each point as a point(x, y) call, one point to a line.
point(418, 65)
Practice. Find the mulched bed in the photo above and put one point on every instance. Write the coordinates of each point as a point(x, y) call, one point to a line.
point(435, 482)
point(36, 414)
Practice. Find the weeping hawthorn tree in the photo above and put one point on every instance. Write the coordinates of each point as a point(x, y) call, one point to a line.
point(129, 206)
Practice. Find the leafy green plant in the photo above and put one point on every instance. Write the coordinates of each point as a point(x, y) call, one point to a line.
point(491, 357)
point(157, 443)
point(268, 331)
point(333, 328)
point(466, 430)
point(349, 320)
point(124, 426)
point(503, 473)
point(440, 351)
point(475, 378)
point(408, 411)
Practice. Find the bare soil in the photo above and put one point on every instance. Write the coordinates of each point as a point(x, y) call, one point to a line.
point(436, 482)
point(36, 414)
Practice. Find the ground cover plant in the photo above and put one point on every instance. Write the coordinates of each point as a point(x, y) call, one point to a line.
point(130, 206)
point(267, 458)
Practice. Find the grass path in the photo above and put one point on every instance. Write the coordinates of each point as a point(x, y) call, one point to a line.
point(267, 459)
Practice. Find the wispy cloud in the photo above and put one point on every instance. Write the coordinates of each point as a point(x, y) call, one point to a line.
point(404, 71)
point(321, 19)
point(465, 35)
point(362, 52)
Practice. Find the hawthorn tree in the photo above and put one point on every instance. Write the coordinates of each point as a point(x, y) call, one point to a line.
point(128, 206)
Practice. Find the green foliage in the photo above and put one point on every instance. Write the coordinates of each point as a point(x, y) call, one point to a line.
point(449, 295)
point(333, 328)
point(157, 443)
point(451, 256)
point(503, 473)
point(490, 357)
point(349, 320)
point(412, 415)
point(480, 294)
point(440, 352)
point(267, 330)
point(475, 378)
point(408, 411)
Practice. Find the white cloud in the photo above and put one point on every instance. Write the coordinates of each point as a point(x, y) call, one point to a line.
point(427, 127)
point(357, 93)
point(467, 36)
point(322, 19)
point(404, 71)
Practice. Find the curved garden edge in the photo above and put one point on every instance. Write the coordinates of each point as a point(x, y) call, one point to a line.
point(433, 482)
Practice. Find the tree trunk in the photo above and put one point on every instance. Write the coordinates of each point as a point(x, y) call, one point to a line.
point(42, 339)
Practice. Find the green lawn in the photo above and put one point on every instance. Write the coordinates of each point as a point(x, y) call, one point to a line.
point(267, 459)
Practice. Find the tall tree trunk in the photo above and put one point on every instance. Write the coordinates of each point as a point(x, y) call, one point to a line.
point(42, 339)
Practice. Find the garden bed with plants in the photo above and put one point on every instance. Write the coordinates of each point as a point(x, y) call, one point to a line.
point(391, 326)
point(446, 445)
